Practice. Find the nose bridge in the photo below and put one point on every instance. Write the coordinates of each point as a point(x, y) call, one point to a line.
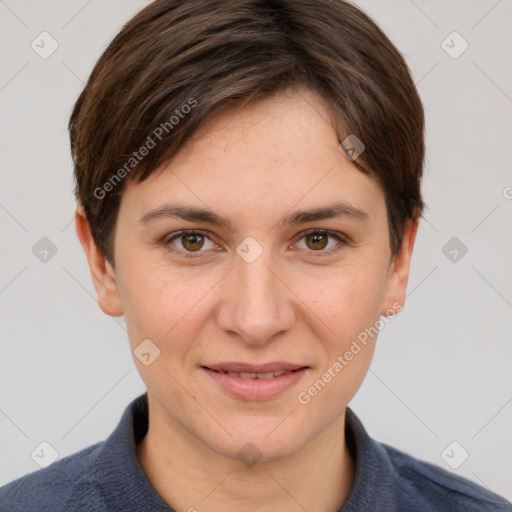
point(257, 308)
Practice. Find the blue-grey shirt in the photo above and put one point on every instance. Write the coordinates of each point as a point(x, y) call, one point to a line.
point(107, 477)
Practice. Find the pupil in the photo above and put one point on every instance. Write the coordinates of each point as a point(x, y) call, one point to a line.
point(315, 240)
point(195, 242)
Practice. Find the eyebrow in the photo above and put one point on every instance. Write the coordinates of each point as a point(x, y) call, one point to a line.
point(339, 209)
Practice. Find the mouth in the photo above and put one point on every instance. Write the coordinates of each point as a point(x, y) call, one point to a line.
point(255, 371)
point(250, 375)
point(255, 382)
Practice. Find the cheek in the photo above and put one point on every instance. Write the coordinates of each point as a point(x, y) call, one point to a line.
point(350, 308)
point(349, 305)
point(164, 305)
point(346, 299)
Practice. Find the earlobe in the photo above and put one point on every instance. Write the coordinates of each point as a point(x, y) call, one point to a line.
point(102, 274)
point(399, 271)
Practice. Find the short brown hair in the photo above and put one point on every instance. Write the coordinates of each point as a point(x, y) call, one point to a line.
point(211, 55)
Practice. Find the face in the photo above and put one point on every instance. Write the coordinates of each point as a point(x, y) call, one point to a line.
point(262, 285)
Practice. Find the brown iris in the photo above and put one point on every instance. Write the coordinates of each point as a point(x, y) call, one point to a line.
point(192, 241)
point(318, 240)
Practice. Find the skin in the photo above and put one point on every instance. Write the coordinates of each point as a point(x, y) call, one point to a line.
point(296, 302)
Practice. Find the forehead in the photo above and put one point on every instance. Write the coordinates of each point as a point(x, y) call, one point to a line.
point(269, 154)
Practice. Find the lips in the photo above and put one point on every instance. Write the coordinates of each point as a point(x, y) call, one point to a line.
point(251, 371)
point(255, 381)
point(253, 375)
point(258, 369)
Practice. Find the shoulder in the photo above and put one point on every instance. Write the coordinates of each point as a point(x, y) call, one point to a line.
point(68, 484)
point(103, 477)
point(431, 487)
point(390, 480)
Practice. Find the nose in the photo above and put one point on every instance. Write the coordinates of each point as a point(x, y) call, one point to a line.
point(257, 306)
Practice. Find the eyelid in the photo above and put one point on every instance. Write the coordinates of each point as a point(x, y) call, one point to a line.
point(340, 237)
point(177, 234)
point(335, 234)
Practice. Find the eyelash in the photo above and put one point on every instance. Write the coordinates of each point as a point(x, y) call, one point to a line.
point(194, 254)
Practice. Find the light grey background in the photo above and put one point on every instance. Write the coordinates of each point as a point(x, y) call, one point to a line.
point(442, 369)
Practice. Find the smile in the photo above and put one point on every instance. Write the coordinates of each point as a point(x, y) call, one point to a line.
point(246, 375)
point(262, 383)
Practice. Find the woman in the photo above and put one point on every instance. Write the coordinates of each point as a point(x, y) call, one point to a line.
point(248, 184)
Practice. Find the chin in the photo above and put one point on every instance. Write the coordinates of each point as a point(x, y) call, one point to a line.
point(258, 440)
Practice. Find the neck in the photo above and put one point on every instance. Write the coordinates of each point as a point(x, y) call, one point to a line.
point(190, 476)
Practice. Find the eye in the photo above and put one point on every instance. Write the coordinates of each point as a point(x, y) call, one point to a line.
point(317, 240)
point(190, 242)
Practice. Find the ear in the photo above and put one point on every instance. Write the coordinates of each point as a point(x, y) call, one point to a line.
point(399, 271)
point(102, 273)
